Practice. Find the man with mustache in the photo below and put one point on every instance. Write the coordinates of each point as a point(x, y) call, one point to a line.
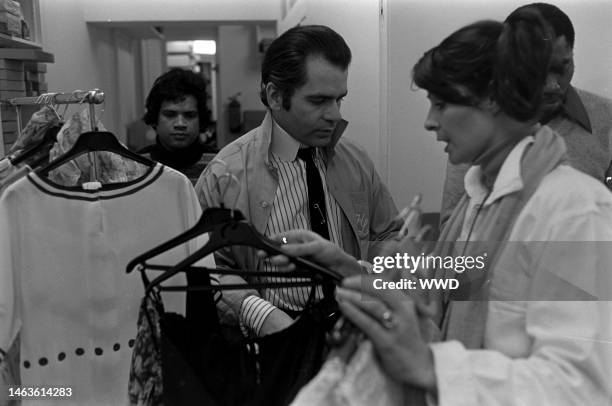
point(583, 119)
point(298, 144)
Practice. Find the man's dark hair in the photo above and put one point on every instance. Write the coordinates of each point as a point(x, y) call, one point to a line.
point(284, 63)
point(507, 63)
point(174, 86)
point(559, 21)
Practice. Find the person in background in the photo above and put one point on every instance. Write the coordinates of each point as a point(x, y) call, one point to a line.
point(583, 119)
point(176, 109)
point(533, 327)
point(297, 170)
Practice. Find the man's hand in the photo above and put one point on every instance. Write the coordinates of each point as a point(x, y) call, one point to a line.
point(277, 320)
point(310, 245)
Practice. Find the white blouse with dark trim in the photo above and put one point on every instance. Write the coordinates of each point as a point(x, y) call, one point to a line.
point(63, 282)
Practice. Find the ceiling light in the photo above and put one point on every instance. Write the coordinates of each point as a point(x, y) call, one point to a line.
point(204, 47)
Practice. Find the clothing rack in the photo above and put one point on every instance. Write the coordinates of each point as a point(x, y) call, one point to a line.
point(91, 97)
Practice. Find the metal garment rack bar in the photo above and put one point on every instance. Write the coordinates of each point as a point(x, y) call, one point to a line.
point(90, 97)
point(94, 96)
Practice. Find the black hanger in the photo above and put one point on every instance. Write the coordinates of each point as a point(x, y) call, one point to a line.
point(226, 227)
point(93, 141)
point(47, 140)
point(308, 279)
point(208, 220)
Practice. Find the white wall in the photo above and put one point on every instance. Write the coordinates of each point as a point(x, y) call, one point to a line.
point(592, 51)
point(180, 10)
point(239, 71)
point(416, 160)
point(358, 22)
point(88, 57)
point(153, 57)
point(127, 53)
point(97, 55)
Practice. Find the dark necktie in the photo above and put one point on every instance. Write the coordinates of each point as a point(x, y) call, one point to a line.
point(316, 196)
point(316, 207)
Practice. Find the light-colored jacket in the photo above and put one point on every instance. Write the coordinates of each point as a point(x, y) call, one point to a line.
point(369, 213)
point(586, 128)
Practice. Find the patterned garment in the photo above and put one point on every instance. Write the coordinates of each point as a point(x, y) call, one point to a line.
point(360, 382)
point(35, 129)
point(110, 167)
point(145, 386)
point(6, 170)
point(9, 372)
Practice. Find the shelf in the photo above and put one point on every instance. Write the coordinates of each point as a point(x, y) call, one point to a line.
point(7, 41)
point(26, 54)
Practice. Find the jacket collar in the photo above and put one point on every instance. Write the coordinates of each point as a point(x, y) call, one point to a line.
point(508, 179)
point(265, 140)
point(574, 109)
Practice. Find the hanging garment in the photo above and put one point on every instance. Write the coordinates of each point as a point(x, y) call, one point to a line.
point(360, 382)
point(35, 128)
point(20, 163)
point(9, 373)
point(202, 363)
point(63, 286)
point(7, 170)
point(110, 168)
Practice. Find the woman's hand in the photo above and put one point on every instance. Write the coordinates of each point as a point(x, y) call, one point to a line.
point(312, 246)
point(392, 321)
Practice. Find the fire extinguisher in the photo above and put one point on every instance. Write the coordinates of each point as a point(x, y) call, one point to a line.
point(235, 114)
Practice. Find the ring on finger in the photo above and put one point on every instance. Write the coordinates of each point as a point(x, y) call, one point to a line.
point(388, 320)
point(285, 240)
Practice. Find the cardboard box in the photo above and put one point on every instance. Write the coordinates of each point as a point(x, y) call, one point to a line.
point(29, 88)
point(12, 85)
point(33, 76)
point(9, 126)
point(11, 6)
point(10, 94)
point(9, 113)
point(13, 22)
point(35, 67)
point(9, 138)
point(10, 64)
point(11, 74)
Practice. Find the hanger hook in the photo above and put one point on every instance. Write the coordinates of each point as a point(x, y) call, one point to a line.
point(64, 112)
point(76, 95)
point(102, 110)
point(51, 105)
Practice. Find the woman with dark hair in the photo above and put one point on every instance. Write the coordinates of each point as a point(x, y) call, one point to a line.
point(533, 326)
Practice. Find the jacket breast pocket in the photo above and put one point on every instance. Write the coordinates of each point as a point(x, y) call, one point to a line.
point(361, 214)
